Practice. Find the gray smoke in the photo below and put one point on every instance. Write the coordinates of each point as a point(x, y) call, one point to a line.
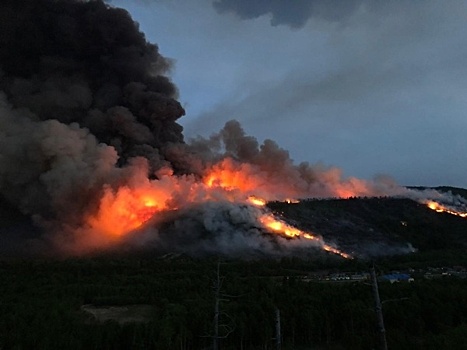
point(271, 171)
point(88, 63)
point(454, 202)
point(295, 13)
point(82, 93)
point(215, 228)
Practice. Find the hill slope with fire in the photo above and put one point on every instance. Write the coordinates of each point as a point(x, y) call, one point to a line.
point(377, 226)
point(361, 227)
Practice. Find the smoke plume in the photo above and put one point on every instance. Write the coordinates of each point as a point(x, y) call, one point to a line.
point(85, 62)
point(217, 228)
point(82, 91)
point(90, 148)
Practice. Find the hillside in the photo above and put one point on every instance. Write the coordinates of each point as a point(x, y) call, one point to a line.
point(376, 226)
point(363, 227)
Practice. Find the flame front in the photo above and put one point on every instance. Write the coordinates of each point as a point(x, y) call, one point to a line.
point(278, 226)
point(257, 201)
point(270, 222)
point(438, 207)
point(126, 208)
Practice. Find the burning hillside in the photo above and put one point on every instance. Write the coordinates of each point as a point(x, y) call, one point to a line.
point(369, 227)
point(438, 207)
point(91, 150)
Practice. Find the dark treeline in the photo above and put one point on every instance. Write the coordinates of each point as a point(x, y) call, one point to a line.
point(41, 302)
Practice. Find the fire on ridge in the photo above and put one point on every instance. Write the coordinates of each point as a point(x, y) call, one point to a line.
point(125, 210)
point(438, 207)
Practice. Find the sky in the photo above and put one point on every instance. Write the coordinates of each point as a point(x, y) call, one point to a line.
point(372, 87)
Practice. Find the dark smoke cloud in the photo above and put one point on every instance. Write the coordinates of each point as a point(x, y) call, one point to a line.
point(86, 62)
point(85, 104)
point(82, 92)
point(292, 13)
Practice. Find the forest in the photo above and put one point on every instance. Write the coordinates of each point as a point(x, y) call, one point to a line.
point(42, 304)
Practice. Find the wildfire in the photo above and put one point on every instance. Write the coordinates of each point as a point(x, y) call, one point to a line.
point(231, 176)
point(127, 208)
point(269, 221)
point(443, 209)
point(257, 201)
point(280, 227)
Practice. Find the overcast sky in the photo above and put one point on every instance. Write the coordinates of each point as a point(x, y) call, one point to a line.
point(375, 87)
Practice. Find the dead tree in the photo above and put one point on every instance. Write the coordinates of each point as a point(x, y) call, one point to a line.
point(278, 329)
point(225, 328)
point(378, 310)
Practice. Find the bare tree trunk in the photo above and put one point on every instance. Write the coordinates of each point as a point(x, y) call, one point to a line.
point(379, 311)
point(215, 341)
point(278, 329)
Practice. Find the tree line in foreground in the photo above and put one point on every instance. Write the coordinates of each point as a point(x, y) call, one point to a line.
point(41, 306)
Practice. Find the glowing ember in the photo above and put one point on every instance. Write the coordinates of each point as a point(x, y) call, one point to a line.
point(443, 209)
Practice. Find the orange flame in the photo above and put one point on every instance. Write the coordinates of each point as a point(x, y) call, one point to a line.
point(257, 201)
point(126, 208)
point(278, 226)
point(227, 176)
point(269, 221)
point(443, 209)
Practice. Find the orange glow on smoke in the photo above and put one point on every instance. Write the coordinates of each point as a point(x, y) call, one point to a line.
point(126, 208)
point(281, 184)
point(442, 209)
point(231, 176)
